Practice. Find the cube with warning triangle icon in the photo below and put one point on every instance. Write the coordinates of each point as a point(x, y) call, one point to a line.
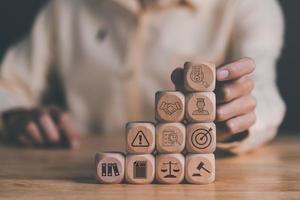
point(140, 137)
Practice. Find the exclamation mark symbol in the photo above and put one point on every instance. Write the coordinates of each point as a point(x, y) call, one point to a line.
point(140, 139)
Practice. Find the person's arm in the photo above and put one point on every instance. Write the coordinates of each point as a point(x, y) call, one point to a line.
point(258, 34)
point(23, 79)
point(26, 65)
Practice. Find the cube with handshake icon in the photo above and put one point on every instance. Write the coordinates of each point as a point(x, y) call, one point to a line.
point(169, 106)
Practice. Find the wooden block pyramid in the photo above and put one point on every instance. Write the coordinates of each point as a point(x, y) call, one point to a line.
point(179, 146)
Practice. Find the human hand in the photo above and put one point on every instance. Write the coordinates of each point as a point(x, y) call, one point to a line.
point(235, 104)
point(40, 127)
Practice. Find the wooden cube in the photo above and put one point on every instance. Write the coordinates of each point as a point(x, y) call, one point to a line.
point(200, 168)
point(170, 168)
point(140, 137)
point(201, 138)
point(170, 137)
point(199, 77)
point(109, 167)
point(200, 107)
point(169, 106)
point(140, 169)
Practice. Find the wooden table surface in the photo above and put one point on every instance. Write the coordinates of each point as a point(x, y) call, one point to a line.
point(272, 172)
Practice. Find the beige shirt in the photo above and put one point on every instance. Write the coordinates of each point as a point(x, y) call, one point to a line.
point(113, 55)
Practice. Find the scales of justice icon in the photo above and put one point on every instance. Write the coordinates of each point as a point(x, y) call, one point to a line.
point(170, 167)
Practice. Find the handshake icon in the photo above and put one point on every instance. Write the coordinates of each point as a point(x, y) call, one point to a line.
point(170, 108)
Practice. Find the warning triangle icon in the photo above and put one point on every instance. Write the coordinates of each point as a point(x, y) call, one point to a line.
point(140, 140)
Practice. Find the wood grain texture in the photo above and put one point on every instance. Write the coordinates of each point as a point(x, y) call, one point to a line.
point(169, 106)
point(199, 76)
point(200, 107)
point(271, 172)
point(140, 137)
point(170, 168)
point(200, 168)
point(170, 137)
point(110, 167)
point(140, 169)
point(201, 138)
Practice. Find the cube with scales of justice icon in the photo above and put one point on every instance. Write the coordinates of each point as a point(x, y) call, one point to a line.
point(184, 123)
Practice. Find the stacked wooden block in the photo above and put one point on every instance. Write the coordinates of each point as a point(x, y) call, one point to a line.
point(183, 139)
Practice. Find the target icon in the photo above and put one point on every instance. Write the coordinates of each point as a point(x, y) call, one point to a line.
point(201, 138)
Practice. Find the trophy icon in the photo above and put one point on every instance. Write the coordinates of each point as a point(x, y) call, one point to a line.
point(197, 76)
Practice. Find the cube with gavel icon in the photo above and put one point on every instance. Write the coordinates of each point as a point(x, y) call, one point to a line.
point(184, 124)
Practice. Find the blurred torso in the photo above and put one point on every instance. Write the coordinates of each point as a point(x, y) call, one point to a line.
point(114, 57)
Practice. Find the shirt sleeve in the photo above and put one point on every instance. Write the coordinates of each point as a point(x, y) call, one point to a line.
point(258, 34)
point(25, 66)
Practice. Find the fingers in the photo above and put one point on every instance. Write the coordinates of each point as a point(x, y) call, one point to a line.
point(235, 108)
point(226, 92)
point(235, 69)
point(42, 127)
point(34, 133)
point(70, 136)
point(239, 124)
point(177, 79)
point(42, 131)
point(69, 130)
point(236, 105)
point(49, 128)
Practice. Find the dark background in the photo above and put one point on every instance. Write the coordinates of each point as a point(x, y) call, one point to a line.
point(16, 18)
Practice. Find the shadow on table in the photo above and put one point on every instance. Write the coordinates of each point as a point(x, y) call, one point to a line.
point(85, 180)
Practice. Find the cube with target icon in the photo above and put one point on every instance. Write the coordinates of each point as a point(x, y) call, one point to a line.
point(201, 138)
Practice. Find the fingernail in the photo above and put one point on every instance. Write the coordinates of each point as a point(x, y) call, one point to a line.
point(222, 74)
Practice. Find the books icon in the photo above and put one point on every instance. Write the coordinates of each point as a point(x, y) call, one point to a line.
point(110, 169)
